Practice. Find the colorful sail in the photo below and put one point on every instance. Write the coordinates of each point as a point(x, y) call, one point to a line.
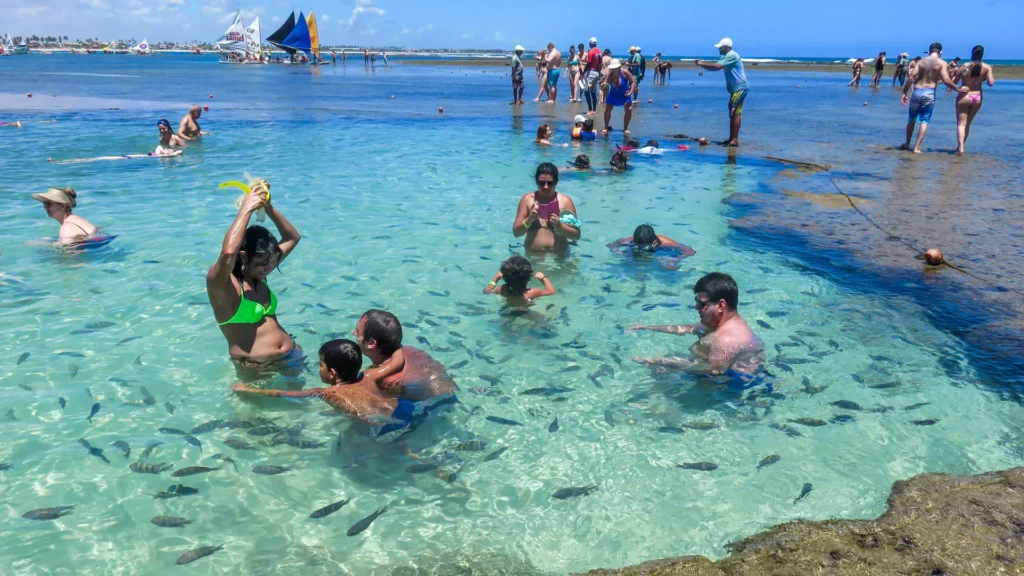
point(299, 37)
point(253, 40)
point(142, 47)
point(314, 35)
point(281, 33)
point(233, 39)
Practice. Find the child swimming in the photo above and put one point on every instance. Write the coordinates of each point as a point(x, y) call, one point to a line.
point(516, 272)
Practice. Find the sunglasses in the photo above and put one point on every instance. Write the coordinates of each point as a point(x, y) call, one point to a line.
point(701, 304)
point(545, 183)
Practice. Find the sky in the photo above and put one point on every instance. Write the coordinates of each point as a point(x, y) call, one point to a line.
point(679, 27)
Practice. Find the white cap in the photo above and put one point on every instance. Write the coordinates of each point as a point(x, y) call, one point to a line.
point(579, 119)
point(724, 42)
point(519, 48)
point(593, 40)
point(615, 63)
point(638, 49)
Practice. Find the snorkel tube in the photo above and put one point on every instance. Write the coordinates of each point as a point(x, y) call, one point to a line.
point(247, 188)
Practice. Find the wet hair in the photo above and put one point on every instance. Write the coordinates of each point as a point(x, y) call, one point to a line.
point(977, 53)
point(516, 272)
point(164, 122)
point(257, 242)
point(719, 286)
point(633, 143)
point(607, 52)
point(651, 143)
point(588, 125)
point(542, 131)
point(619, 159)
point(344, 357)
point(546, 168)
point(582, 161)
point(384, 328)
point(935, 47)
point(644, 237)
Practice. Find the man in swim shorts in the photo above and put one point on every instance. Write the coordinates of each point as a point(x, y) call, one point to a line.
point(923, 79)
point(517, 76)
point(400, 371)
point(592, 77)
point(553, 61)
point(735, 82)
point(189, 129)
point(726, 344)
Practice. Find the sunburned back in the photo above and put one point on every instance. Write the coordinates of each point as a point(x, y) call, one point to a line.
point(929, 71)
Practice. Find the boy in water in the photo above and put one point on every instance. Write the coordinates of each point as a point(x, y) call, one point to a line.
point(644, 241)
point(516, 272)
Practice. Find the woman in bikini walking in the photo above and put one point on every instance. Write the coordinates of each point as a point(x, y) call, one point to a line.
point(972, 75)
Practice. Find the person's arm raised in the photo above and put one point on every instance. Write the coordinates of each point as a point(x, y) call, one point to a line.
point(526, 215)
point(218, 277)
point(289, 235)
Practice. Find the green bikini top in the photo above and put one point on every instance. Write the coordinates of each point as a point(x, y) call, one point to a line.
point(250, 312)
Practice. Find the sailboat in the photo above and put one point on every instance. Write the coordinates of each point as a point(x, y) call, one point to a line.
point(253, 42)
point(142, 49)
point(314, 37)
point(10, 49)
point(232, 43)
point(298, 39)
point(7, 46)
point(281, 33)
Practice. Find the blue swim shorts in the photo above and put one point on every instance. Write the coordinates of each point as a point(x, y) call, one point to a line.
point(553, 76)
point(921, 105)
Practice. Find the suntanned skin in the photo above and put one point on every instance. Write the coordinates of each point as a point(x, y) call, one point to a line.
point(525, 298)
point(669, 263)
point(550, 235)
point(969, 104)
point(425, 376)
point(927, 74)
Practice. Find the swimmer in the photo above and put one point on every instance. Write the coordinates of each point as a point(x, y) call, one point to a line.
point(644, 241)
point(650, 149)
point(543, 135)
point(581, 163)
point(620, 86)
point(583, 128)
point(726, 343)
point(243, 305)
point(15, 124)
point(58, 203)
point(516, 273)
point(400, 371)
point(923, 80)
point(189, 129)
point(973, 75)
point(577, 126)
point(619, 163)
point(538, 215)
point(168, 139)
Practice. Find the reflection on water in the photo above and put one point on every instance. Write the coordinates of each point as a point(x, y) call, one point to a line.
point(412, 214)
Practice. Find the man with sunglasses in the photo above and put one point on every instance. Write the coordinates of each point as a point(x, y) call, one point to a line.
point(546, 217)
point(726, 344)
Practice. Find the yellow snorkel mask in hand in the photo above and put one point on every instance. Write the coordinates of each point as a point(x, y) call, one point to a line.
point(247, 188)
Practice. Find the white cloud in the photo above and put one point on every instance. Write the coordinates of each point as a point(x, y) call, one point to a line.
point(174, 2)
point(96, 4)
point(325, 18)
point(28, 11)
point(468, 36)
point(363, 7)
point(498, 35)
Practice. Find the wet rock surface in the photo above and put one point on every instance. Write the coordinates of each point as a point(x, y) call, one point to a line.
point(935, 524)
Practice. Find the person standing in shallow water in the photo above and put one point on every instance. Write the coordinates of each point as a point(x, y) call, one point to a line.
point(973, 75)
point(243, 304)
point(876, 80)
point(538, 215)
point(726, 344)
point(923, 80)
point(858, 69)
point(735, 82)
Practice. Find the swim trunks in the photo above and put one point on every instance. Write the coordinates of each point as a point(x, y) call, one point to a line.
point(408, 415)
point(592, 79)
point(736, 102)
point(921, 105)
point(553, 76)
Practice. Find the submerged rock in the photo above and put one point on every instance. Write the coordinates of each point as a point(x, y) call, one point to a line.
point(935, 524)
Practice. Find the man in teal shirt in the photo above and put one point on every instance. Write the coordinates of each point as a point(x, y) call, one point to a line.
point(517, 76)
point(735, 82)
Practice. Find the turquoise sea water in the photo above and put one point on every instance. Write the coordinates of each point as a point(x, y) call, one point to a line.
point(395, 202)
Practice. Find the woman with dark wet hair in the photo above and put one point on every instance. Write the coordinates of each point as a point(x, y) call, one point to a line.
point(972, 75)
point(546, 216)
point(243, 304)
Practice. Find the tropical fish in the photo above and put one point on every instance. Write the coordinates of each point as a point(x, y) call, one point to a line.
point(71, 354)
point(193, 555)
point(175, 490)
point(99, 325)
point(266, 430)
point(123, 446)
point(270, 470)
point(700, 425)
point(225, 458)
point(329, 509)
point(846, 405)
point(553, 427)
point(95, 409)
point(73, 370)
point(886, 385)
point(10, 414)
point(916, 406)
point(127, 340)
point(88, 392)
point(609, 418)
point(768, 461)
point(813, 422)
point(671, 430)
point(439, 294)
point(471, 446)
point(24, 356)
point(764, 325)
point(842, 419)
point(784, 367)
point(170, 521)
point(927, 422)
point(459, 364)
point(138, 360)
point(505, 421)
point(789, 430)
point(149, 449)
point(804, 492)
point(833, 344)
point(702, 466)
point(94, 451)
point(365, 522)
point(420, 468)
point(5, 466)
point(193, 441)
point(171, 431)
point(48, 513)
point(792, 360)
point(491, 379)
point(147, 398)
point(207, 427)
point(880, 409)
point(147, 468)
point(547, 391)
point(496, 454)
point(296, 442)
point(574, 491)
point(63, 403)
point(857, 378)
point(235, 424)
point(192, 470)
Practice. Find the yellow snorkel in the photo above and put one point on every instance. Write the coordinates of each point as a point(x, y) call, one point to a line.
point(247, 188)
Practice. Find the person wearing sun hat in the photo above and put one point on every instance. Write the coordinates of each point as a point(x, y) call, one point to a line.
point(58, 203)
point(735, 82)
point(620, 85)
point(517, 76)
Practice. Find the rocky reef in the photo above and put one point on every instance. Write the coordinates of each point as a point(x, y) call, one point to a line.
point(935, 525)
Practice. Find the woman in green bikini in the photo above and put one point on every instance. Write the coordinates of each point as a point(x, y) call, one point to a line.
point(243, 304)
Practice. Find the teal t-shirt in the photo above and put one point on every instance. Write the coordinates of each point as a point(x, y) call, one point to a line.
point(517, 65)
point(735, 77)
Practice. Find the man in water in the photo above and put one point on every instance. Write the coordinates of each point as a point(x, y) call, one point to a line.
point(735, 82)
point(726, 344)
point(644, 241)
point(189, 129)
point(553, 61)
point(517, 76)
point(592, 76)
point(923, 79)
point(400, 371)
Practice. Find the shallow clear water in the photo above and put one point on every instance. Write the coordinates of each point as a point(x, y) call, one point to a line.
point(410, 203)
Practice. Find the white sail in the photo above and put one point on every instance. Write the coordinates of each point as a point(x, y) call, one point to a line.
point(142, 47)
point(253, 41)
point(233, 39)
point(8, 44)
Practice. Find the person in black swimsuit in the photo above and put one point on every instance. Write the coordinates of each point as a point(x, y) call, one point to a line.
point(879, 69)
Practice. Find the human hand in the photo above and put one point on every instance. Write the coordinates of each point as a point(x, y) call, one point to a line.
point(239, 387)
point(262, 188)
point(696, 62)
point(539, 275)
point(490, 288)
point(963, 90)
point(555, 224)
point(904, 100)
point(253, 202)
point(532, 215)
